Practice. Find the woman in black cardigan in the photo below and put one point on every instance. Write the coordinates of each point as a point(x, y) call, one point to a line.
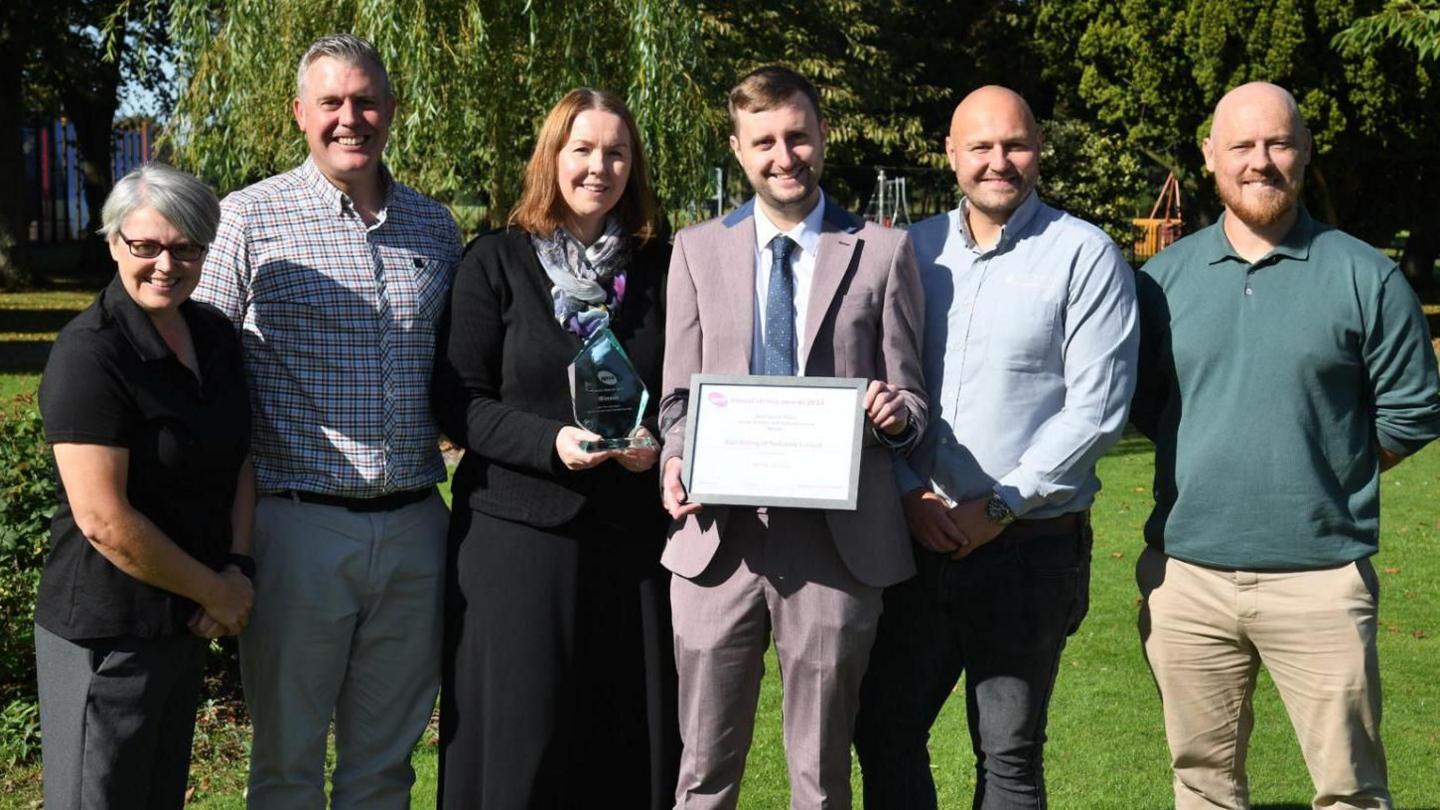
point(558, 679)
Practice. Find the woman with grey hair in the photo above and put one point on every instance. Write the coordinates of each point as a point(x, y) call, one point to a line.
point(145, 407)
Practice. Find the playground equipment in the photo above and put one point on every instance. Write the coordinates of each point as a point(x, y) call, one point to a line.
point(890, 202)
point(1158, 233)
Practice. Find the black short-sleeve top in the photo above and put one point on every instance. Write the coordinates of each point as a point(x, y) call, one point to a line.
point(111, 380)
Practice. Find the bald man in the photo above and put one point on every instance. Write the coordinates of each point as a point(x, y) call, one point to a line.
point(1284, 364)
point(1029, 360)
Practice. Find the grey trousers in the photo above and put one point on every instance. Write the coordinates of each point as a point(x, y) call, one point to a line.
point(346, 625)
point(775, 574)
point(117, 716)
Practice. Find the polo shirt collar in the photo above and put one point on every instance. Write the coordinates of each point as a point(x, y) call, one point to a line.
point(1295, 245)
point(1019, 219)
point(333, 198)
point(133, 323)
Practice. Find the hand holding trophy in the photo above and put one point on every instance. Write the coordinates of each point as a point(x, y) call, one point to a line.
point(608, 396)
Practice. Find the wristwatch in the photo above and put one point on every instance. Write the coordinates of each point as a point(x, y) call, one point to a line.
point(997, 511)
point(244, 562)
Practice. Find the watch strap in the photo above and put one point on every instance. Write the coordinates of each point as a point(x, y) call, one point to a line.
point(244, 562)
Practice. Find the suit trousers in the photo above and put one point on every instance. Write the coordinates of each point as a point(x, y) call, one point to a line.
point(1001, 616)
point(117, 717)
point(1206, 632)
point(776, 571)
point(346, 624)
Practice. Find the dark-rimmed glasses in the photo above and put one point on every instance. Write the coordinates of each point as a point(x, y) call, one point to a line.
point(150, 249)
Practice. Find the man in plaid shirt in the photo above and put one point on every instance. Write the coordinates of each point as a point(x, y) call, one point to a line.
point(336, 275)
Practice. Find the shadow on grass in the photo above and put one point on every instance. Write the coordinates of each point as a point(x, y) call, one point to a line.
point(34, 320)
point(24, 356)
point(1132, 444)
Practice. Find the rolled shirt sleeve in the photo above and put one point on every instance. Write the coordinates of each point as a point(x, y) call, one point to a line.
point(1101, 343)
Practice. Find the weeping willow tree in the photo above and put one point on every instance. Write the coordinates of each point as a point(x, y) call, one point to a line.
point(473, 79)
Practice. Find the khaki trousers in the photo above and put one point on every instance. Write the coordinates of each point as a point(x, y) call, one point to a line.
point(1207, 631)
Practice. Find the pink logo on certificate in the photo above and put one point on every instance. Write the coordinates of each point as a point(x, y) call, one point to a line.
point(718, 399)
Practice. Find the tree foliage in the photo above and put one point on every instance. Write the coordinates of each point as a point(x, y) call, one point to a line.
point(1415, 24)
point(1152, 71)
point(1091, 174)
point(54, 61)
point(473, 79)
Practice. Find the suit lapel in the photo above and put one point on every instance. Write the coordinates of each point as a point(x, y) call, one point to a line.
point(838, 240)
point(737, 280)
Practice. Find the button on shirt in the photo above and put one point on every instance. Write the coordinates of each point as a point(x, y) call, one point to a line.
point(338, 324)
point(1029, 358)
point(802, 265)
point(1268, 386)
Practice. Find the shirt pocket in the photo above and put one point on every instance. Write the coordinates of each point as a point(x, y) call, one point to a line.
point(1026, 323)
point(417, 286)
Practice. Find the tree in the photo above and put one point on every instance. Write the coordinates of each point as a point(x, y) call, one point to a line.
point(1416, 27)
point(1414, 24)
point(1152, 70)
point(54, 60)
point(473, 79)
point(22, 25)
point(889, 72)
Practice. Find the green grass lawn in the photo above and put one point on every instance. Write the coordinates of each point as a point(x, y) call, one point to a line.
point(1107, 745)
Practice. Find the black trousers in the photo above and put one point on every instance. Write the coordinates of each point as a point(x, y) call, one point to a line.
point(116, 718)
point(1000, 616)
point(558, 678)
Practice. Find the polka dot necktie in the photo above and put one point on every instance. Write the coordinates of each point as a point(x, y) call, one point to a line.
point(780, 310)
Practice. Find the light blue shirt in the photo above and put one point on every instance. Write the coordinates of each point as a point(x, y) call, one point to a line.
point(806, 234)
point(1029, 357)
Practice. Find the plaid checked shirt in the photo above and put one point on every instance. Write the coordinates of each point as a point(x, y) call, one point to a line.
point(338, 325)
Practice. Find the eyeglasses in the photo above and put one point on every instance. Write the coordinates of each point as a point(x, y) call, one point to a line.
point(149, 249)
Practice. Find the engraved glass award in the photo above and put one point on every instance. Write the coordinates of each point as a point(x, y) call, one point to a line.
point(608, 395)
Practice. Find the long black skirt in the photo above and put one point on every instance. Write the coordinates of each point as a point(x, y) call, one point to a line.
point(558, 682)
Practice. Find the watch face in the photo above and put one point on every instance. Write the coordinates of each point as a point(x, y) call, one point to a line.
point(997, 511)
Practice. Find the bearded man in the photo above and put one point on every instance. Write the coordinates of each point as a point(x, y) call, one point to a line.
point(1283, 366)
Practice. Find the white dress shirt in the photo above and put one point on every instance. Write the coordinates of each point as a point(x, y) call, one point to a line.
point(802, 265)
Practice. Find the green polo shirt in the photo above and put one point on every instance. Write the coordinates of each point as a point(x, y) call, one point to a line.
point(1266, 388)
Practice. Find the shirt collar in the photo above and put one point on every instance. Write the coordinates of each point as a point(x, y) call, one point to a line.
point(337, 200)
point(1295, 245)
point(806, 234)
point(1013, 227)
point(134, 323)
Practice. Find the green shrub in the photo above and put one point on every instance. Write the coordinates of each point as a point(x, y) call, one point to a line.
point(19, 732)
point(27, 499)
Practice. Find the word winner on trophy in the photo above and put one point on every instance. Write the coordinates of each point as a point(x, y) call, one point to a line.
point(608, 395)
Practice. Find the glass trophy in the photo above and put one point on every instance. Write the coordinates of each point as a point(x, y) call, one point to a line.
point(608, 395)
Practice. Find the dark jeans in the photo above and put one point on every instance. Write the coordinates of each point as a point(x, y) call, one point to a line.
point(1001, 616)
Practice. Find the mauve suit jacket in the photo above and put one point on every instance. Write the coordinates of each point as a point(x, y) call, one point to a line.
point(864, 319)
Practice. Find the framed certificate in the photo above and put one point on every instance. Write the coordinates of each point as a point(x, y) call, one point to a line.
point(774, 441)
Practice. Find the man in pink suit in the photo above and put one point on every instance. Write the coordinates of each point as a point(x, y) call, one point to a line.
point(788, 284)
